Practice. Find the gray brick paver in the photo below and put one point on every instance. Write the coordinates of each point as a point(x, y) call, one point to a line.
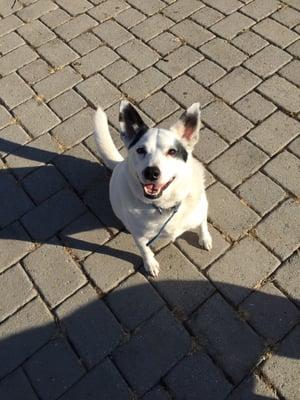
point(121, 334)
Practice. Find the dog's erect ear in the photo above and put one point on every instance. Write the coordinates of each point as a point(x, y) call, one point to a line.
point(188, 125)
point(132, 125)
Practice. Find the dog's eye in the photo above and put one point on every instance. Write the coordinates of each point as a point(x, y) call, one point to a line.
point(141, 150)
point(172, 152)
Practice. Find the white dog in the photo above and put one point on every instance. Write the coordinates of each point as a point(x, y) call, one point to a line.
point(158, 190)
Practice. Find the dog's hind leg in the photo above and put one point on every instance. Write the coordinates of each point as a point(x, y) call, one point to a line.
point(205, 239)
point(150, 263)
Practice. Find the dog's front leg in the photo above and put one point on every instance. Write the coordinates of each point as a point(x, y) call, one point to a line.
point(150, 263)
point(205, 239)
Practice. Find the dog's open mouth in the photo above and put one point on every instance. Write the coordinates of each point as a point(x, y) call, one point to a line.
point(155, 190)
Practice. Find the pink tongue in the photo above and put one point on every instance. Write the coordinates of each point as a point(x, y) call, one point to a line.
point(151, 187)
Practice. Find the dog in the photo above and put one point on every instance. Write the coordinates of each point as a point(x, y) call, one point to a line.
point(158, 190)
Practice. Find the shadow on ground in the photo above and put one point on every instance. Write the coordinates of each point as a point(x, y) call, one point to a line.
point(137, 336)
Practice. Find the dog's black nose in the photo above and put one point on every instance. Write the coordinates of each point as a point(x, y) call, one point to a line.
point(151, 173)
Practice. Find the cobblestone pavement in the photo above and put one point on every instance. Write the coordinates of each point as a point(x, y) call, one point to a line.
point(79, 319)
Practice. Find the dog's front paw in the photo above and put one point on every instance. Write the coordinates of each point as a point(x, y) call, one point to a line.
point(206, 242)
point(152, 267)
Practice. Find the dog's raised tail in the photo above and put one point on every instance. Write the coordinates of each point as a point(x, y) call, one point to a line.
point(107, 150)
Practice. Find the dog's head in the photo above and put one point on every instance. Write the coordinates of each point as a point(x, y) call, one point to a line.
point(159, 158)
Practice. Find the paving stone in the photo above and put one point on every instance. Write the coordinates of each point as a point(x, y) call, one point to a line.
point(80, 168)
point(57, 83)
point(76, 128)
point(28, 158)
point(73, 28)
point(292, 72)
point(284, 169)
point(150, 7)
point(255, 107)
point(267, 61)
point(17, 387)
point(182, 9)
point(282, 369)
point(146, 358)
point(189, 245)
point(158, 393)
point(7, 8)
point(43, 183)
point(85, 43)
point(207, 16)
point(280, 229)
point(209, 145)
point(99, 91)
point(242, 268)
point(14, 201)
point(53, 369)
point(249, 42)
point(198, 374)
point(9, 24)
point(294, 48)
point(36, 10)
point(52, 215)
point(224, 120)
point(261, 193)
point(67, 104)
point(129, 17)
point(206, 72)
point(35, 71)
point(119, 72)
point(275, 132)
point(55, 18)
point(33, 326)
point(144, 84)
point(287, 16)
point(16, 59)
point(95, 61)
point(15, 243)
point(11, 138)
point(223, 53)
point(233, 24)
point(252, 386)
point(235, 85)
point(293, 3)
point(108, 9)
point(104, 379)
point(180, 283)
point(165, 43)
point(159, 106)
point(152, 26)
point(186, 91)
point(238, 218)
point(5, 117)
point(134, 301)
point(238, 163)
point(36, 117)
point(36, 33)
point(97, 199)
point(270, 312)
point(54, 272)
point(87, 321)
point(75, 7)
point(57, 53)
point(113, 262)
point(287, 277)
point(228, 339)
point(179, 61)
point(113, 34)
point(261, 9)
point(275, 32)
point(192, 33)
point(138, 54)
point(10, 42)
point(295, 147)
point(84, 235)
point(14, 278)
point(224, 6)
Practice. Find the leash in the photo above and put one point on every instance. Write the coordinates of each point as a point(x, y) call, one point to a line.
point(174, 211)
